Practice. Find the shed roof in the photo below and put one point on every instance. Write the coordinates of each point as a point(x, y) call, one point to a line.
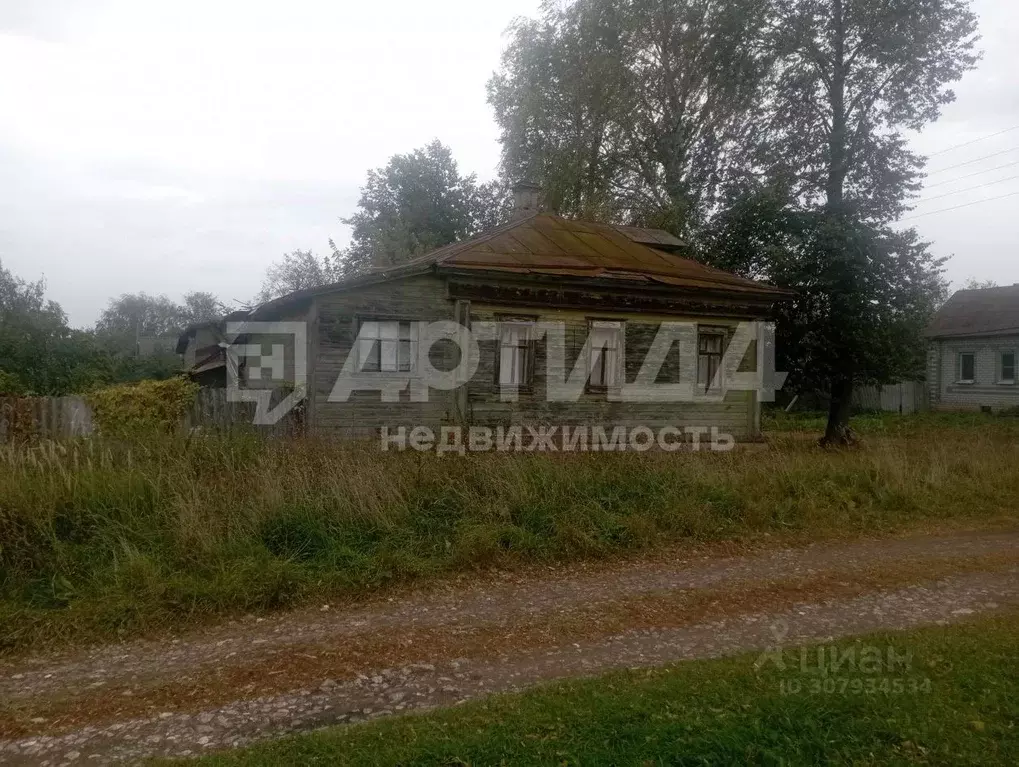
point(979, 312)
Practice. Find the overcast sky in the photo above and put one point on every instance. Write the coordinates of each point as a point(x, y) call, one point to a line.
point(174, 145)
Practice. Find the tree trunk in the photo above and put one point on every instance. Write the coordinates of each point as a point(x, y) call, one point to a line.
point(838, 433)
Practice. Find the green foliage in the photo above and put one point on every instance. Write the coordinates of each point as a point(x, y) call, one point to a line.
point(854, 75)
point(40, 355)
point(138, 333)
point(139, 314)
point(863, 292)
point(415, 204)
point(124, 535)
point(640, 112)
point(142, 408)
point(721, 711)
point(769, 134)
point(298, 270)
point(974, 284)
point(10, 384)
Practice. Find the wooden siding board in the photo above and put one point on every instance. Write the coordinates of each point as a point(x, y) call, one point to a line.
point(427, 298)
point(736, 415)
point(421, 298)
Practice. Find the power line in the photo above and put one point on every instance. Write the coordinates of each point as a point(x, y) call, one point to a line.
point(970, 188)
point(974, 141)
point(970, 162)
point(971, 175)
point(957, 207)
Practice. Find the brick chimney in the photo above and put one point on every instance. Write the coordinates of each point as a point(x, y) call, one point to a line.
point(526, 199)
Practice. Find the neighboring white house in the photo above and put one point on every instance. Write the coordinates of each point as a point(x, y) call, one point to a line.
point(974, 349)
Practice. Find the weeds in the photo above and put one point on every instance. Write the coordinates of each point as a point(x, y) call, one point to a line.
point(101, 539)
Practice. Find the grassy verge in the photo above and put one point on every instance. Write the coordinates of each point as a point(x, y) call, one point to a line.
point(875, 423)
point(101, 540)
point(955, 701)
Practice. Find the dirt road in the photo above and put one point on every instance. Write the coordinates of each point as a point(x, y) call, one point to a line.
point(257, 678)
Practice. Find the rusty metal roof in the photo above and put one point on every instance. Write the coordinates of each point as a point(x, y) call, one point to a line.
point(544, 244)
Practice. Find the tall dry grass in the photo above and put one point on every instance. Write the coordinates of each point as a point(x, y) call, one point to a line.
point(104, 539)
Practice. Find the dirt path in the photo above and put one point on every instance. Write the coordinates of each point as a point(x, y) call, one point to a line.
point(256, 678)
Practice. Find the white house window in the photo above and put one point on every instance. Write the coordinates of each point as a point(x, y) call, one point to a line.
point(1007, 367)
point(710, 345)
point(967, 367)
point(606, 339)
point(515, 357)
point(387, 346)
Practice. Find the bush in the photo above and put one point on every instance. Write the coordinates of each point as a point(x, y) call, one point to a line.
point(143, 407)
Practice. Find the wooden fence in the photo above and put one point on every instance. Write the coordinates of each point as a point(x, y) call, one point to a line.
point(64, 417)
point(212, 411)
point(49, 417)
point(903, 397)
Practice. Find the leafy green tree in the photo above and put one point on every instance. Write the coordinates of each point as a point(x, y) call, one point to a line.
point(643, 111)
point(39, 353)
point(974, 284)
point(853, 75)
point(415, 204)
point(200, 306)
point(296, 271)
point(137, 332)
point(134, 315)
point(899, 284)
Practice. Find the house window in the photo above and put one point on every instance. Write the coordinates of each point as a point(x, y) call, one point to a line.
point(1007, 367)
point(516, 360)
point(710, 345)
point(967, 367)
point(604, 362)
point(387, 346)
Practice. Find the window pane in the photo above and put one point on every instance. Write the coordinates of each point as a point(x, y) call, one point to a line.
point(386, 346)
point(703, 370)
point(967, 367)
point(1008, 366)
point(513, 353)
point(368, 353)
point(511, 367)
point(597, 368)
point(604, 361)
point(711, 343)
point(611, 365)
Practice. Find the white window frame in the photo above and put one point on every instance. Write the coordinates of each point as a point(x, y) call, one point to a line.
point(605, 359)
point(393, 342)
point(959, 377)
point(516, 346)
point(1010, 381)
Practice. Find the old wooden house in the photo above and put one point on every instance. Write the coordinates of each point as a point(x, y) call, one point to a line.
point(614, 283)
